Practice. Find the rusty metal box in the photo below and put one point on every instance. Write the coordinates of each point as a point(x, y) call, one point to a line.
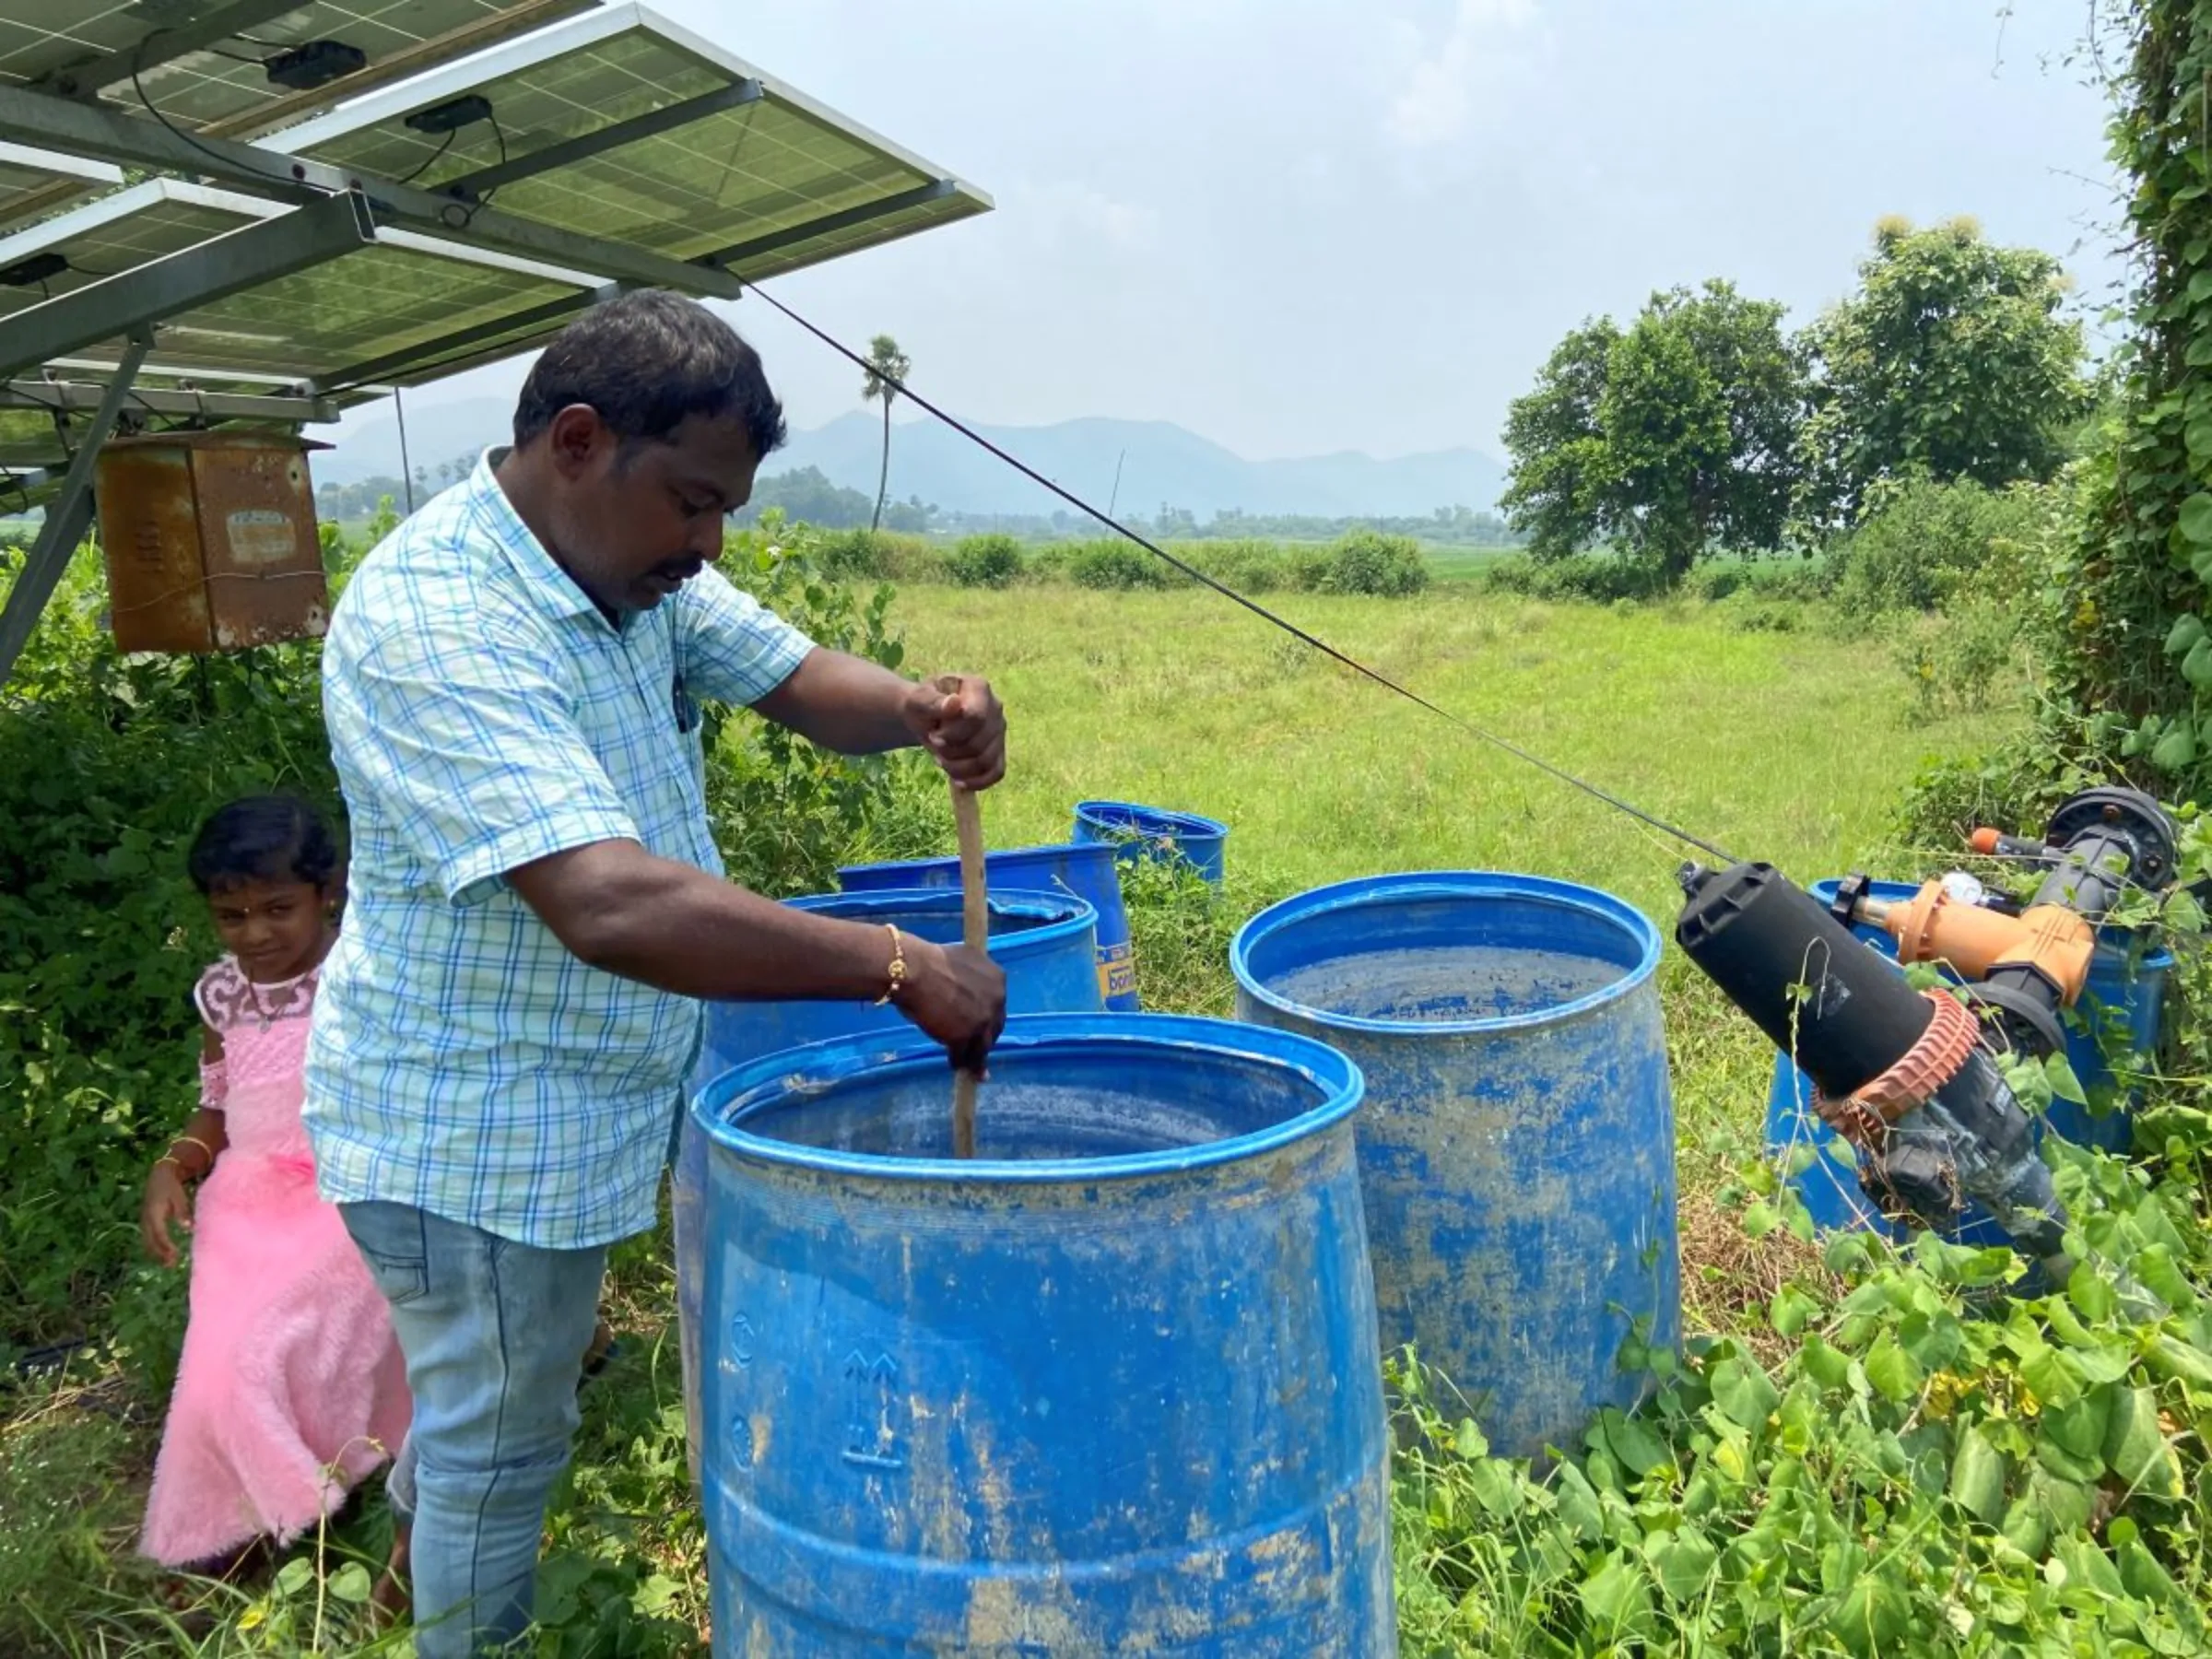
point(210, 540)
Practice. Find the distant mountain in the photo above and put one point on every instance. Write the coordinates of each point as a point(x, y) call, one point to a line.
point(1161, 464)
point(439, 433)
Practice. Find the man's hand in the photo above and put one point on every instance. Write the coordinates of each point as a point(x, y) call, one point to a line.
point(957, 995)
point(957, 719)
point(167, 1204)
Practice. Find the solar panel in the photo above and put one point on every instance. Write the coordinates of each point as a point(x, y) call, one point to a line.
point(621, 125)
point(206, 63)
point(383, 302)
point(34, 180)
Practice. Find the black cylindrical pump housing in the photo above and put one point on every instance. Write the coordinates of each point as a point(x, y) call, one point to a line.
point(1836, 1007)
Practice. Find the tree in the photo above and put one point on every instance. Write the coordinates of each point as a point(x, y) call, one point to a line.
point(1954, 359)
point(887, 369)
point(1674, 438)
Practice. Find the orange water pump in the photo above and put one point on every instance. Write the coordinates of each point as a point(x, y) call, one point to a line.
point(2026, 962)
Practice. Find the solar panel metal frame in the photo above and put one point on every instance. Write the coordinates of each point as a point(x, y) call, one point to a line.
point(57, 181)
point(225, 211)
point(89, 47)
point(923, 195)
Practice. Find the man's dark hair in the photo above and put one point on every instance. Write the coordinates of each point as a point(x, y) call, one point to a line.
point(644, 361)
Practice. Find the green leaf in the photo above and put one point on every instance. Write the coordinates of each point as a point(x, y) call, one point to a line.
point(1760, 1219)
point(295, 1575)
point(2065, 1084)
point(1875, 1616)
point(2026, 1528)
point(2197, 437)
point(2055, 1384)
point(1495, 1486)
point(1580, 1511)
point(2197, 665)
point(2182, 1361)
point(351, 1583)
point(2155, 1270)
point(1827, 1366)
point(1977, 1476)
point(1743, 1394)
point(1468, 1442)
point(2064, 1464)
point(2090, 1295)
point(1790, 1311)
point(2068, 1503)
point(2135, 1446)
point(2187, 630)
point(1616, 1598)
point(1682, 1560)
point(2079, 1429)
point(1895, 1374)
point(2177, 750)
point(1638, 1450)
point(2195, 518)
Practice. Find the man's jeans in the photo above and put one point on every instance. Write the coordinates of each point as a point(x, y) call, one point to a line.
point(494, 1335)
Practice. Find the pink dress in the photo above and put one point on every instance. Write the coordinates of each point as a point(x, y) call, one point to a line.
point(292, 1387)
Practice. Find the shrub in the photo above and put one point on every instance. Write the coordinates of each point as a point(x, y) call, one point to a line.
point(988, 562)
point(1593, 578)
point(863, 555)
point(107, 766)
point(1368, 561)
point(1918, 541)
point(1247, 565)
point(1117, 564)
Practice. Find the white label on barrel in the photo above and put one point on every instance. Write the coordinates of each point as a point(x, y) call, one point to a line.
point(260, 535)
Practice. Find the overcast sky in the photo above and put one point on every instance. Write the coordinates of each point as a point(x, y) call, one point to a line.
point(1301, 225)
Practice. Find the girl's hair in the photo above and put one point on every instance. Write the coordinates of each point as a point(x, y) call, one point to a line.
point(263, 838)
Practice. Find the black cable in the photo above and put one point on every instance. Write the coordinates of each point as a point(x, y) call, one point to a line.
point(1252, 606)
point(499, 132)
point(175, 131)
point(438, 155)
point(239, 57)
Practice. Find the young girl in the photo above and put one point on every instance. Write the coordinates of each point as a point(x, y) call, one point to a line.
point(292, 1388)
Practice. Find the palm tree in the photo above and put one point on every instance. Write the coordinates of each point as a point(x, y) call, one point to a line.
point(887, 369)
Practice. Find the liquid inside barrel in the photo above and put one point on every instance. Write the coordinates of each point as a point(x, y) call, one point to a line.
point(1517, 1150)
point(1110, 1387)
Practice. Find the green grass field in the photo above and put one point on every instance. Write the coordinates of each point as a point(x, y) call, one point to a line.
point(1786, 746)
point(1790, 746)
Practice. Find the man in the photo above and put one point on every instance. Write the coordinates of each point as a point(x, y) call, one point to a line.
point(507, 1020)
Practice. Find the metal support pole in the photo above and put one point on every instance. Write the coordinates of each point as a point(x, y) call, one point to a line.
point(68, 516)
point(214, 270)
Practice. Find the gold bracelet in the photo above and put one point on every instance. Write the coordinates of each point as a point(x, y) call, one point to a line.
point(193, 1140)
point(898, 968)
point(182, 1173)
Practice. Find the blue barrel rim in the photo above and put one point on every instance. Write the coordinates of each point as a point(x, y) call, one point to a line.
point(1170, 819)
point(761, 1082)
point(1067, 914)
point(998, 856)
point(1449, 884)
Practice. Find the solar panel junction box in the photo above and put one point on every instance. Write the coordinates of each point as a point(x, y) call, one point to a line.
point(451, 115)
point(315, 64)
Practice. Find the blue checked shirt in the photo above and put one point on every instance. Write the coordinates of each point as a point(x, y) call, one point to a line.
point(483, 713)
